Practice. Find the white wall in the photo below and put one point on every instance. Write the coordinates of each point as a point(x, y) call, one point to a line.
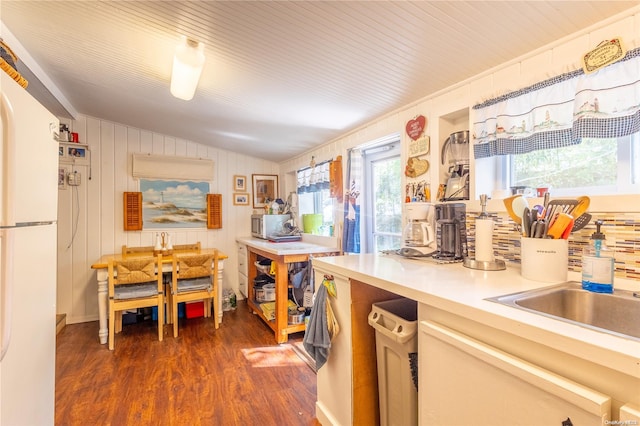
point(94, 211)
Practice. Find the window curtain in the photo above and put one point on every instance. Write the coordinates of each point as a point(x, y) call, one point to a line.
point(351, 227)
point(313, 179)
point(561, 111)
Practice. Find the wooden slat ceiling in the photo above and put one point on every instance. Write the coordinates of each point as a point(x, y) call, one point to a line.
point(280, 77)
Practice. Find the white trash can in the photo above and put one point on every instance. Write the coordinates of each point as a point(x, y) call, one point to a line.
point(396, 325)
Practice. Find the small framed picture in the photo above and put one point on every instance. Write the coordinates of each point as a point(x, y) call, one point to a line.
point(62, 178)
point(76, 152)
point(240, 199)
point(239, 183)
point(265, 188)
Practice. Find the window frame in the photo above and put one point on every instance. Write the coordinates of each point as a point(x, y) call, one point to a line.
point(380, 152)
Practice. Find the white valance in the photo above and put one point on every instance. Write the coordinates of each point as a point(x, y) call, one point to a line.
point(314, 179)
point(561, 111)
point(168, 167)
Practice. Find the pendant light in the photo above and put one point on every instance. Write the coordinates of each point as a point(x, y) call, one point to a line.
point(188, 61)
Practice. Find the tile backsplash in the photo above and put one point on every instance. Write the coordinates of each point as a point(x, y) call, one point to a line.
point(622, 231)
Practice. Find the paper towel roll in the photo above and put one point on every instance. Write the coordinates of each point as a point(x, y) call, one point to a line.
point(484, 240)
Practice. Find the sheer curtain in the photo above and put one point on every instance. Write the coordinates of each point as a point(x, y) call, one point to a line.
point(313, 179)
point(561, 111)
point(351, 227)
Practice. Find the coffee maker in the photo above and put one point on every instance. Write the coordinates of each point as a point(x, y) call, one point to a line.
point(451, 232)
point(418, 236)
point(456, 150)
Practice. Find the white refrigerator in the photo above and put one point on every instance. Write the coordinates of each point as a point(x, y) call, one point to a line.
point(28, 234)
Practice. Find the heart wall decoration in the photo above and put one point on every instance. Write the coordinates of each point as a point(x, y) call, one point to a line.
point(416, 167)
point(416, 127)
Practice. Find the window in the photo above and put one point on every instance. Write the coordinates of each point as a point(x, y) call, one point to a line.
point(382, 176)
point(595, 166)
point(318, 202)
point(575, 132)
point(314, 196)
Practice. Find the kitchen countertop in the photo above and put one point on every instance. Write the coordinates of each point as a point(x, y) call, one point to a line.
point(463, 291)
point(286, 248)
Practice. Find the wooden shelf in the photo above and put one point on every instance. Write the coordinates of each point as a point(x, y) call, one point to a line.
point(289, 329)
point(280, 325)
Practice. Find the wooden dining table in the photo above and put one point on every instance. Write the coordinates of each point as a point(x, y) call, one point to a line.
point(102, 274)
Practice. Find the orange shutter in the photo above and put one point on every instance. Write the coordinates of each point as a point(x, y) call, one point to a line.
point(214, 211)
point(133, 211)
point(335, 178)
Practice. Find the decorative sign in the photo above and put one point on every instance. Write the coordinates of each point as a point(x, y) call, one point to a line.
point(419, 147)
point(416, 126)
point(416, 167)
point(607, 52)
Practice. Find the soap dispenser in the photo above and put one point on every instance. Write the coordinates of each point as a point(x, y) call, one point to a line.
point(597, 264)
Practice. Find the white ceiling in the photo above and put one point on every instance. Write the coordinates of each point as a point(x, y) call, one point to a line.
point(280, 77)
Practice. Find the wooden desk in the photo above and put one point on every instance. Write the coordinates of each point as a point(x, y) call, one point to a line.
point(282, 254)
point(103, 278)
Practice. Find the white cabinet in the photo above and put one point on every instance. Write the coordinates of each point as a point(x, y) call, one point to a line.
point(471, 373)
point(466, 382)
point(243, 281)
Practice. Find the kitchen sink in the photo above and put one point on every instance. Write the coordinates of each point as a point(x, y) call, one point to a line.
point(617, 313)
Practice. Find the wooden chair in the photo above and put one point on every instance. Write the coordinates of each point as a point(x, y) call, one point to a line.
point(133, 250)
point(193, 278)
point(188, 247)
point(135, 283)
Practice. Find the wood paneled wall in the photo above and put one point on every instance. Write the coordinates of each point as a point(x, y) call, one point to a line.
point(90, 222)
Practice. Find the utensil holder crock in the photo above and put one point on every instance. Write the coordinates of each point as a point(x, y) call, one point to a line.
point(544, 259)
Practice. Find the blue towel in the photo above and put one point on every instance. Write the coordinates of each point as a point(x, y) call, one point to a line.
point(317, 341)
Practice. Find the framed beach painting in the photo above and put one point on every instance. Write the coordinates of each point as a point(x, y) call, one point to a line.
point(174, 204)
point(265, 188)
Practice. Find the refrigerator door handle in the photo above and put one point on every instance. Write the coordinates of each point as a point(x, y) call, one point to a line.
point(8, 162)
point(6, 288)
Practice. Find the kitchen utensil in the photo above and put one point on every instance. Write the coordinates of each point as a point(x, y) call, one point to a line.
point(519, 204)
point(559, 225)
point(560, 205)
point(583, 205)
point(508, 204)
point(581, 221)
point(541, 229)
point(567, 229)
point(533, 220)
point(526, 222)
point(534, 227)
point(540, 210)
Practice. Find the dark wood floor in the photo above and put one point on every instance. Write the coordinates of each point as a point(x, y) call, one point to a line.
point(230, 376)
